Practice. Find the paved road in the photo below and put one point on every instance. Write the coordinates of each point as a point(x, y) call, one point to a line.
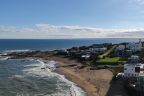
point(108, 52)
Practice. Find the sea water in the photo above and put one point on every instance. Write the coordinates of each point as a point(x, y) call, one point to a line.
point(50, 44)
point(34, 77)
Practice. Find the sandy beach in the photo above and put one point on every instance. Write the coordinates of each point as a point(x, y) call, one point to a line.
point(94, 82)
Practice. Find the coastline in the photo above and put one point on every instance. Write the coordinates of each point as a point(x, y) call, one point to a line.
point(93, 82)
point(94, 74)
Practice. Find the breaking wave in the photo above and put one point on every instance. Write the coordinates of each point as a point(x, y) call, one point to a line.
point(34, 77)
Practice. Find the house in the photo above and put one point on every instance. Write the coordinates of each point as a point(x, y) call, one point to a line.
point(120, 47)
point(134, 68)
point(135, 46)
point(61, 52)
point(74, 53)
point(128, 53)
point(86, 56)
point(98, 49)
point(120, 53)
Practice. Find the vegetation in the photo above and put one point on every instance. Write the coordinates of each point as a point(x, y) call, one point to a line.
point(107, 59)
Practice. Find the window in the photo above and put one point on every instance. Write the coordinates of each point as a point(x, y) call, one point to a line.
point(137, 69)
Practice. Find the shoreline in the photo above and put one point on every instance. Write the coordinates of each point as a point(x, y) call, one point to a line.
point(59, 71)
point(84, 81)
point(93, 82)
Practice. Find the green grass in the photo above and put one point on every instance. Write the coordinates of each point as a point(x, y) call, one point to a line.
point(107, 59)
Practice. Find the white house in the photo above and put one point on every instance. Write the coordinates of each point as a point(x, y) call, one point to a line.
point(135, 46)
point(134, 68)
point(86, 56)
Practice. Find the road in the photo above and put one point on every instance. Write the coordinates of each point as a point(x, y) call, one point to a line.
point(108, 52)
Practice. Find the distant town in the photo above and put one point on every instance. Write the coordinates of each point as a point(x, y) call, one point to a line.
point(124, 59)
point(104, 54)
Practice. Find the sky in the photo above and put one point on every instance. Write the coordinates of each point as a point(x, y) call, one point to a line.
point(56, 19)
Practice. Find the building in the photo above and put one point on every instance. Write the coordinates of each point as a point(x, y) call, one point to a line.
point(120, 47)
point(61, 52)
point(135, 46)
point(134, 68)
point(86, 56)
point(98, 49)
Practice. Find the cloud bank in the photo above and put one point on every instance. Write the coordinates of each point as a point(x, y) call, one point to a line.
point(47, 31)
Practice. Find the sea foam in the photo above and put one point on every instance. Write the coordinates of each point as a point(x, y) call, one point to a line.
point(45, 69)
point(35, 77)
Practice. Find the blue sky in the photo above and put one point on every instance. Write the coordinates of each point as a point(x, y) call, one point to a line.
point(71, 18)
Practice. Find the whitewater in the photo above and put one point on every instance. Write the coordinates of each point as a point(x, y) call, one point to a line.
point(34, 77)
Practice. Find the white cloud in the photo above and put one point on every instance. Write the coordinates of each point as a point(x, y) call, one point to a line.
point(47, 31)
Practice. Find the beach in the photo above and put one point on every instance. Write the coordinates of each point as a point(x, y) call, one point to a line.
point(94, 82)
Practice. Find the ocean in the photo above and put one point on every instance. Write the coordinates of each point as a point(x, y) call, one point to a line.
point(50, 44)
point(26, 77)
